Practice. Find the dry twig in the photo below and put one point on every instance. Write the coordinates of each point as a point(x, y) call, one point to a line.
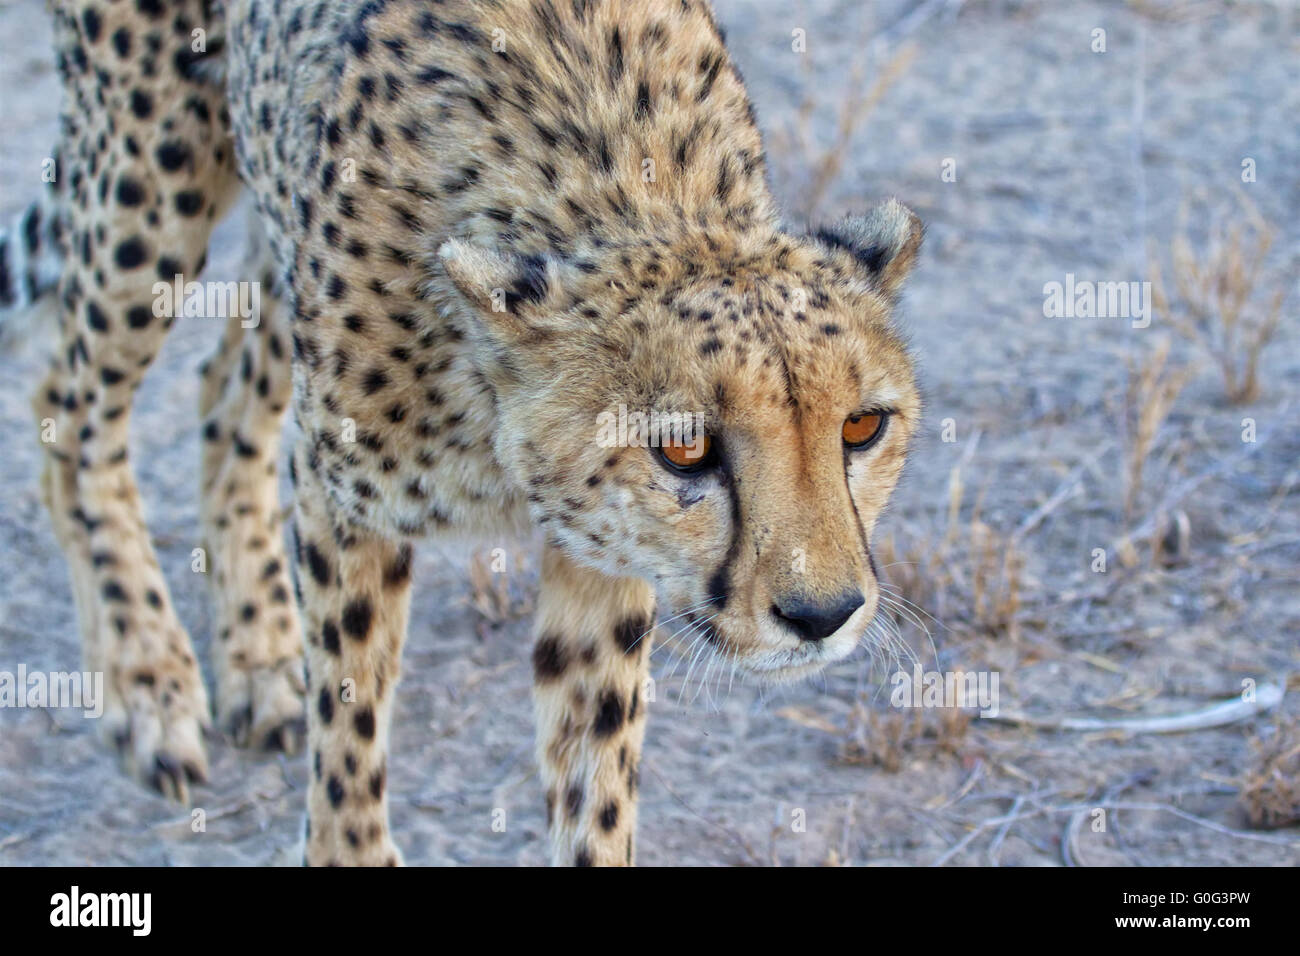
point(1267, 697)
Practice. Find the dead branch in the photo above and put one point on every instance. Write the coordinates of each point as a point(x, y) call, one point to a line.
point(1267, 697)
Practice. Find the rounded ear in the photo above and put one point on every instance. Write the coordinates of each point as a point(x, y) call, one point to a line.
point(497, 283)
point(884, 243)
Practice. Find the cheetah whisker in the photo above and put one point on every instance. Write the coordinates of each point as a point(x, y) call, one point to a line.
point(690, 610)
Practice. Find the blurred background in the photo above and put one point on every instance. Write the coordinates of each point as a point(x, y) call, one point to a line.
point(1101, 512)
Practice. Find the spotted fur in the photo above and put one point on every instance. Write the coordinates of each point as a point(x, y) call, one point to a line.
point(486, 223)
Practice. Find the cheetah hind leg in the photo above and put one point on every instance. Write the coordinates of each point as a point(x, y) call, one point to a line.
point(164, 200)
point(257, 645)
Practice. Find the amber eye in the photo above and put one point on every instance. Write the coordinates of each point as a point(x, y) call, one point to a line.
point(687, 455)
point(861, 429)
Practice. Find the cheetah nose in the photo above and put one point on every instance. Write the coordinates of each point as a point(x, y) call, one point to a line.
point(814, 620)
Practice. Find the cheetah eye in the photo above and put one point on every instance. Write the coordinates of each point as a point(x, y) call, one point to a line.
point(687, 457)
point(863, 428)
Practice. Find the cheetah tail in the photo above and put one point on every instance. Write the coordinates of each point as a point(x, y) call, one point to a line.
point(31, 261)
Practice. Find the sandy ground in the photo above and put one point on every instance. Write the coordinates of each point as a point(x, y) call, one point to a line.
point(1068, 161)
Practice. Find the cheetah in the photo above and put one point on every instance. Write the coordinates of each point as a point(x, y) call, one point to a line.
point(479, 228)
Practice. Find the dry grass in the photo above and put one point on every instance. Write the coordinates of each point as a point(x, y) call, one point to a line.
point(969, 577)
point(1224, 300)
point(1153, 386)
point(1270, 792)
point(858, 103)
point(826, 161)
point(884, 739)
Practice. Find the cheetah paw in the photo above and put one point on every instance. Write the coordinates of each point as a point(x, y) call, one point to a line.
point(159, 735)
point(262, 706)
point(382, 852)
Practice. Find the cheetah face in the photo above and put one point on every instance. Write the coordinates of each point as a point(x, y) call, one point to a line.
point(733, 435)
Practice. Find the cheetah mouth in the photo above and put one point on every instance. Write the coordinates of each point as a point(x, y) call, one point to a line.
point(767, 665)
point(788, 666)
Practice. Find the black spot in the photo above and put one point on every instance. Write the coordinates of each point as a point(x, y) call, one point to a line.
point(549, 658)
point(615, 56)
point(141, 104)
point(130, 253)
point(573, 801)
point(356, 619)
point(364, 721)
point(169, 268)
point(189, 202)
point(335, 790)
point(172, 155)
point(129, 192)
point(710, 65)
point(355, 36)
point(326, 705)
point(95, 317)
point(329, 637)
point(627, 632)
point(609, 816)
point(122, 42)
point(319, 564)
point(609, 713)
point(432, 74)
point(530, 284)
point(399, 572)
point(91, 24)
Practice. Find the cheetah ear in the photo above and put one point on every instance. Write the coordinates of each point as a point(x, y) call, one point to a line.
point(516, 292)
point(884, 243)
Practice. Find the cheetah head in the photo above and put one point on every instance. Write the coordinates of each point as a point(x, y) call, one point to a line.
point(752, 510)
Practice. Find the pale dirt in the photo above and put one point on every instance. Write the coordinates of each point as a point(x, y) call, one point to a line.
point(1059, 170)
